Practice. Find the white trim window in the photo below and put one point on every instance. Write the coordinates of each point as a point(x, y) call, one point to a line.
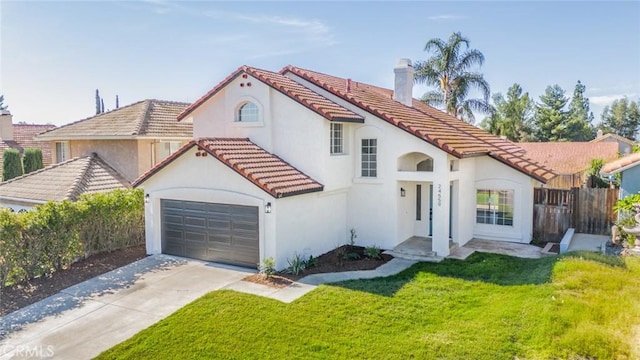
point(62, 151)
point(166, 148)
point(336, 139)
point(369, 158)
point(248, 112)
point(494, 207)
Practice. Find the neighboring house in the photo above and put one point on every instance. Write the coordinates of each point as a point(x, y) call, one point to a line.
point(21, 136)
point(570, 160)
point(62, 181)
point(625, 146)
point(629, 169)
point(290, 162)
point(131, 139)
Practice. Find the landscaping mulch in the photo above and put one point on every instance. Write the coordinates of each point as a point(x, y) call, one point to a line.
point(21, 295)
point(326, 263)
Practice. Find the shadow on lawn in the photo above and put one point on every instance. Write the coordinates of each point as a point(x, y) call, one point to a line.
point(496, 269)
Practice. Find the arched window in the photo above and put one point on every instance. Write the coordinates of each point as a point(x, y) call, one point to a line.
point(248, 113)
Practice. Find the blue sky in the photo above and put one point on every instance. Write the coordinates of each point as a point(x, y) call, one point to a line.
point(53, 55)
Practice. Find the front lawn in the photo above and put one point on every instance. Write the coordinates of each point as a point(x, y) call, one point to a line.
point(487, 307)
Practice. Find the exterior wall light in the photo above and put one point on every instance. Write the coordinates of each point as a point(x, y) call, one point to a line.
point(267, 208)
point(146, 199)
point(403, 193)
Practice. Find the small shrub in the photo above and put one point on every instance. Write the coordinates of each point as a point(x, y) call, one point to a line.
point(32, 160)
point(311, 262)
point(341, 255)
point(353, 255)
point(352, 238)
point(268, 267)
point(296, 264)
point(372, 252)
point(11, 164)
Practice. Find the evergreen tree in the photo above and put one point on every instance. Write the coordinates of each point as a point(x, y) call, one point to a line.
point(551, 117)
point(579, 122)
point(622, 118)
point(32, 160)
point(97, 102)
point(513, 116)
point(11, 164)
point(2, 105)
point(117, 102)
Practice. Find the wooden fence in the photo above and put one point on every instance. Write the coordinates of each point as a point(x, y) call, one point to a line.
point(587, 210)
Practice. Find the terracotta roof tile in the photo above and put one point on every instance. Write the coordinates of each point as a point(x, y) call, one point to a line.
point(23, 138)
point(265, 170)
point(621, 164)
point(147, 118)
point(319, 104)
point(570, 157)
point(65, 181)
point(454, 136)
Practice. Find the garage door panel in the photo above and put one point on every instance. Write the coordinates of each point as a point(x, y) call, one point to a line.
point(211, 232)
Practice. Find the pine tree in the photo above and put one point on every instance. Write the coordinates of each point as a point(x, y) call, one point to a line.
point(579, 123)
point(513, 116)
point(32, 160)
point(97, 102)
point(11, 164)
point(551, 117)
point(622, 118)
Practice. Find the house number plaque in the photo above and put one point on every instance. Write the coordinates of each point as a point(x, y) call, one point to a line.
point(439, 194)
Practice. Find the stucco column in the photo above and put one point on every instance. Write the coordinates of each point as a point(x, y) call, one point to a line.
point(440, 237)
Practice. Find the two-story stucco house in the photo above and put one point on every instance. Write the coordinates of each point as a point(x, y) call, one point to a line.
point(131, 139)
point(289, 162)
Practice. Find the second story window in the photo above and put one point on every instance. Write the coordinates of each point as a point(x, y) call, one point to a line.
point(62, 151)
point(369, 159)
point(336, 139)
point(248, 113)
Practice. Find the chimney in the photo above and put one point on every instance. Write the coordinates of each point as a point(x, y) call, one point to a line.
point(599, 134)
point(403, 90)
point(6, 125)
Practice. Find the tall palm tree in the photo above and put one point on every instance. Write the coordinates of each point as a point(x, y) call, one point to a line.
point(449, 69)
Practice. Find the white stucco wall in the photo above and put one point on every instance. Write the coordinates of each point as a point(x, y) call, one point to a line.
point(17, 205)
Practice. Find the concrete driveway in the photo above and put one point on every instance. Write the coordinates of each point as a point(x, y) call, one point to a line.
point(82, 321)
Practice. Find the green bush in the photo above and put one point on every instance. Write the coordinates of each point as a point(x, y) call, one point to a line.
point(11, 164)
point(55, 234)
point(32, 160)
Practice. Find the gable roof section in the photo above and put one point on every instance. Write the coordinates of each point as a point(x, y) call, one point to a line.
point(614, 136)
point(265, 170)
point(315, 102)
point(444, 131)
point(570, 157)
point(624, 163)
point(23, 138)
point(146, 118)
point(65, 181)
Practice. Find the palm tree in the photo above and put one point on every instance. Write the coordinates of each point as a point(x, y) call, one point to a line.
point(449, 70)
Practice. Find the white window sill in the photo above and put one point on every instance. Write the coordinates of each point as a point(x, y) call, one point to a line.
point(338, 154)
point(248, 124)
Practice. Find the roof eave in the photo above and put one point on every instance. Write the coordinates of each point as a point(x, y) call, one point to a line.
point(299, 192)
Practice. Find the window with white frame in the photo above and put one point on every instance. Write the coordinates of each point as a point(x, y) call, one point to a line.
point(494, 207)
point(62, 151)
point(248, 112)
point(166, 148)
point(369, 160)
point(336, 138)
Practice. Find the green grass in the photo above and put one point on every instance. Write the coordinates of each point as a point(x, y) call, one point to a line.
point(487, 307)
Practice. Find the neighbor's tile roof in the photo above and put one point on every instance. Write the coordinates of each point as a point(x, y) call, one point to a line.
point(267, 171)
point(614, 136)
point(23, 138)
point(570, 157)
point(65, 181)
point(312, 100)
point(146, 118)
point(621, 164)
point(454, 136)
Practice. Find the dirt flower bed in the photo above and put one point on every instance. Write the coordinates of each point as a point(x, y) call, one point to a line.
point(21, 295)
point(336, 260)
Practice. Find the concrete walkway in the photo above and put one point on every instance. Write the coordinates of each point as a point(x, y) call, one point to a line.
point(85, 319)
point(497, 247)
point(589, 242)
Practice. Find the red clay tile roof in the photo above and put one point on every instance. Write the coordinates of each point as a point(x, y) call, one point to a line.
point(265, 170)
point(454, 136)
point(146, 118)
point(621, 164)
point(570, 157)
point(614, 136)
point(317, 103)
point(66, 180)
point(23, 138)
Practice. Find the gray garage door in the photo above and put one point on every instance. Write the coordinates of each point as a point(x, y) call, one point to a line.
point(211, 232)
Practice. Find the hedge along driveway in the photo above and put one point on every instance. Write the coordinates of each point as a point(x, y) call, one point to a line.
point(487, 307)
point(50, 237)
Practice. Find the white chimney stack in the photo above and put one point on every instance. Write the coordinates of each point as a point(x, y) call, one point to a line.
point(6, 125)
point(403, 90)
